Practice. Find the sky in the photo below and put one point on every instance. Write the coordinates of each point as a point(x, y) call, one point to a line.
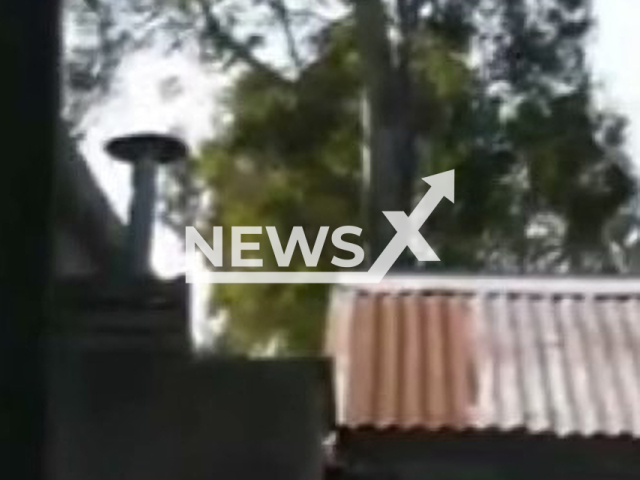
point(616, 62)
point(194, 110)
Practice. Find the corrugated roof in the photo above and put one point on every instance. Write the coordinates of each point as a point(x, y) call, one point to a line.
point(559, 356)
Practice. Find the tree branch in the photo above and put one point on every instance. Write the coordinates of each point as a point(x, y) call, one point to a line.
point(416, 6)
point(408, 13)
point(224, 38)
point(282, 13)
point(91, 5)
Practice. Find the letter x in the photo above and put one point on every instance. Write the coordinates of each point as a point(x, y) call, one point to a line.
point(408, 230)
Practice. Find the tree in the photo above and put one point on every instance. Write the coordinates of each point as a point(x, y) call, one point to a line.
point(289, 158)
point(556, 156)
point(497, 90)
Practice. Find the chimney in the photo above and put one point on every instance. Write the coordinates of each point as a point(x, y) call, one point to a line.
point(145, 152)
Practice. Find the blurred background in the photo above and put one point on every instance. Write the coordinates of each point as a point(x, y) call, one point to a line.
point(327, 112)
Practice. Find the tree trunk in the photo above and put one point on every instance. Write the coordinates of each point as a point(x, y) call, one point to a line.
point(389, 158)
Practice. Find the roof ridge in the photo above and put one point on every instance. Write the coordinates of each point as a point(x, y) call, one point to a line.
point(581, 285)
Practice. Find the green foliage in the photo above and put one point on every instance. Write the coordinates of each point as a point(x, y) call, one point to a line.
point(540, 176)
point(539, 172)
point(290, 158)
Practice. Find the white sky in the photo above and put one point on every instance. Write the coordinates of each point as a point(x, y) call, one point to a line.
point(616, 62)
point(192, 113)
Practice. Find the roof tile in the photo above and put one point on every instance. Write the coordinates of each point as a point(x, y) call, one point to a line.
point(556, 360)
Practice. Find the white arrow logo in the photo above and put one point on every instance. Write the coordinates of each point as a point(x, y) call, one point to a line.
point(407, 235)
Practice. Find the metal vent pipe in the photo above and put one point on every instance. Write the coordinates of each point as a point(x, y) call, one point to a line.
point(145, 152)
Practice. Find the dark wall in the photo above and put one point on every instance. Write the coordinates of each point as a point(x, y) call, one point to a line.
point(136, 415)
point(446, 455)
point(28, 114)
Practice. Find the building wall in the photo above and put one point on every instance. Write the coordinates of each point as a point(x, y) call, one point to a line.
point(70, 256)
point(141, 415)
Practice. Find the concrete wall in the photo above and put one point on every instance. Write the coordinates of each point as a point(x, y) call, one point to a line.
point(163, 416)
point(70, 256)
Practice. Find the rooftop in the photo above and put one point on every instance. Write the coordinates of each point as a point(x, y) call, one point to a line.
point(554, 355)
